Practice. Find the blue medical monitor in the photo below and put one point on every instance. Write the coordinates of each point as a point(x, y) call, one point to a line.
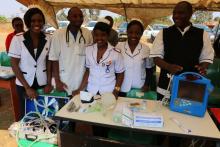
point(190, 96)
point(191, 91)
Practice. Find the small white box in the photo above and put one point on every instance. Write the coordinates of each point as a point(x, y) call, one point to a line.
point(145, 120)
point(85, 96)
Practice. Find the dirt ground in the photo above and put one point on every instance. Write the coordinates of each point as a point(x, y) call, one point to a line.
point(5, 29)
point(6, 115)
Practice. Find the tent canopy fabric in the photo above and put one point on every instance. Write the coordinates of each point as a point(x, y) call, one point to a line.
point(146, 10)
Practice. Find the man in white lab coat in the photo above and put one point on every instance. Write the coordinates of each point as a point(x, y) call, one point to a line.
point(68, 52)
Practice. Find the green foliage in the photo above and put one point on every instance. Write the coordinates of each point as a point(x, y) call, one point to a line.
point(163, 20)
point(94, 14)
point(200, 17)
point(119, 20)
point(217, 18)
point(61, 15)
point(3, 19)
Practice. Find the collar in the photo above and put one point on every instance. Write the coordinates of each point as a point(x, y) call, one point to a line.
point(29, 44)
point(105, 55)
point(185, 29)
point(137, 50)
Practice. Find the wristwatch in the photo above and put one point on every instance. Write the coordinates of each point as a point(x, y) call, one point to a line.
point(117, 88)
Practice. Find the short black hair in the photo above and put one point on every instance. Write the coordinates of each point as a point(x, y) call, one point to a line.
point(187, 5)
point(16, 19)
point(104, 27)
point(135, 22)
point(28, 15)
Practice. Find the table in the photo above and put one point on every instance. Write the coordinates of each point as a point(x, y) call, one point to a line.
point(203, 128)
point(10, 85)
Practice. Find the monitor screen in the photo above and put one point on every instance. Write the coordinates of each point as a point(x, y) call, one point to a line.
point(191, 91)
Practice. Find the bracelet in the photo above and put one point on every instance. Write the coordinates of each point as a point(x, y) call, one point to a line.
point(117, 88)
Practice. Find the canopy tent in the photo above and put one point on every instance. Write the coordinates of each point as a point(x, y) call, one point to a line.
point(146, 10)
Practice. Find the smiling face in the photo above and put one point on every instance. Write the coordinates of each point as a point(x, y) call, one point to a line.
point(37, 23)
point(75, 16)
point(134, 34)
point(100, 37)
point(182, 14)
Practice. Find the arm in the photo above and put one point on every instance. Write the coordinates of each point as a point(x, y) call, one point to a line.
point(119, 80)
point(157, 53)
point(149, 74)
point(31, 93)
point(60, 86)
point(48, 88)
point(83, 83)
point(206, 56)
point(172, 68)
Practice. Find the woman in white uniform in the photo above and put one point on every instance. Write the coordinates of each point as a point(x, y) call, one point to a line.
point(104, 64)
point(138, 65)
point(28, 52)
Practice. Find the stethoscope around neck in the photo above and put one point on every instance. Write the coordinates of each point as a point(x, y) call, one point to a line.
point(68, 37)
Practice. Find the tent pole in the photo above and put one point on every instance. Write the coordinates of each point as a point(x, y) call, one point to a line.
point(124, 6)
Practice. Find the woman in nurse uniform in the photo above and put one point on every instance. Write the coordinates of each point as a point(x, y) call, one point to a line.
point(138, 65)
point(28, 52)
point(104, 64)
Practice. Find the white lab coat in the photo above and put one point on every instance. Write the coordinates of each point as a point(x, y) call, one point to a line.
point(135, 65)
point(102, 77)
point(71, 56)
point(30, 67)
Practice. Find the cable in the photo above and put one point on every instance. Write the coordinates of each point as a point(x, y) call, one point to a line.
point(165, 100)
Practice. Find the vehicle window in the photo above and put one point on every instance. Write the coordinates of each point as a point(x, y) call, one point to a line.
point(62, 24)
point(206, 28)
point(91, 24)
point(123, 25)
point(159, 27)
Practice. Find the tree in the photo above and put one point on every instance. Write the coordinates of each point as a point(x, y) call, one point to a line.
point(118, 20)
point(163, 20)
point(3, 19)
point(201, 17)
point(217, 18)
point(62, 15)
point(94, 14)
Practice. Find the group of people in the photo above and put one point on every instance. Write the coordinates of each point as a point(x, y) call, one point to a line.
point(94, 61)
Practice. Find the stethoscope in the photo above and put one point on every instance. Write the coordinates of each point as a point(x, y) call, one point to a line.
point(81, 36)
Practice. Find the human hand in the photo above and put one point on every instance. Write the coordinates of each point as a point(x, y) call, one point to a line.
point(201, 69)
point(173, 68)
point(60, 86)
point(31, 93)
point(145, 88)
point(48, 88)
point(115, 92)
point(75, 92)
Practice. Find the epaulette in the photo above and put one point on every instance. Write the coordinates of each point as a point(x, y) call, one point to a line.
point(47, 33)
point(117, 50)
point(90, 44)
point(19, 34)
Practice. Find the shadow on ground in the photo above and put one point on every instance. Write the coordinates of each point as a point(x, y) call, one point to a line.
point(6, 112)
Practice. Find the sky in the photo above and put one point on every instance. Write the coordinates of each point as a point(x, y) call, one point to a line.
point(11, 8)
